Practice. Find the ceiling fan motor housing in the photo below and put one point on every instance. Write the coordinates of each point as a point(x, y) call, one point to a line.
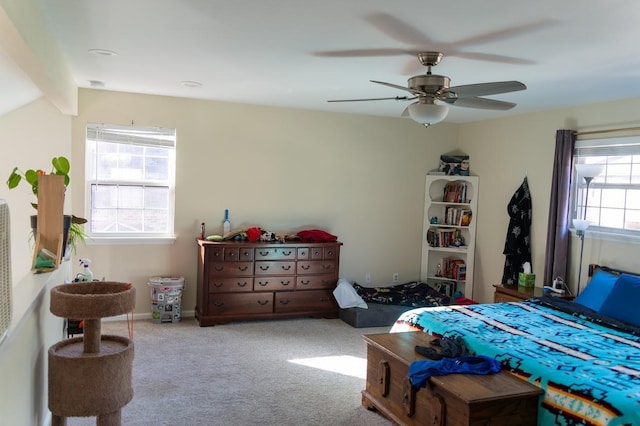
point(429, 83)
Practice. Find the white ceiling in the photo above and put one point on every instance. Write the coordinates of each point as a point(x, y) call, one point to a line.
point(567, 52)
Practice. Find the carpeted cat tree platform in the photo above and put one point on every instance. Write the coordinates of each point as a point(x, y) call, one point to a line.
point(91, 375)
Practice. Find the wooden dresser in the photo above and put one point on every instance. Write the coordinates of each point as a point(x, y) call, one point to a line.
point(452, 400)
point(243, 280)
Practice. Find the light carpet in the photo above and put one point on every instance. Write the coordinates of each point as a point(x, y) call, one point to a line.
point(279, 372)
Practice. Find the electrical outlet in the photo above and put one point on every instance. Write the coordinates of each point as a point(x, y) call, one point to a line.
point(367, 278)
point(395, 277)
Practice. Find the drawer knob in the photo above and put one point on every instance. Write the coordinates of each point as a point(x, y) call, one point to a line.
point(264, 253)
point(284, 302)
point(264, 268)
point(285, 282)
point(286, 267)
point(263, 284)
point(326, 266)
point(218, 303)
point(263, 302)
point(218, 285)
point(305, 267)
point(243, 268)
point(242, 284)
point(305, 282)
point(218, 268)
point(287, 253)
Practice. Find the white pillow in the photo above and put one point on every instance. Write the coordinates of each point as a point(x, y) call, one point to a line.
point(347, 296)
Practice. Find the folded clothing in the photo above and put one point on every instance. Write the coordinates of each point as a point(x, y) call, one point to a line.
point(451, 347)
point(420, 371)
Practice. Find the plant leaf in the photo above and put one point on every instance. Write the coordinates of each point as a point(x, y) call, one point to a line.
point(14, 179)
point(61, 165)
point(32, 177)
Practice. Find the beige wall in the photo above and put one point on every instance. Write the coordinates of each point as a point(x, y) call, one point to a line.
point(359, 177)
point(502, 153)
point(30, 137)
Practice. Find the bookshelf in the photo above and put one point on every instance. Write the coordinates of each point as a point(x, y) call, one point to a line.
point(449, 233)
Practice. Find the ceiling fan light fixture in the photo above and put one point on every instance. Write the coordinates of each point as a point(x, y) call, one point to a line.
point(428, 113)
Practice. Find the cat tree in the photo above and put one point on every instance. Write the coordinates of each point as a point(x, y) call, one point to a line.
point(91, 375)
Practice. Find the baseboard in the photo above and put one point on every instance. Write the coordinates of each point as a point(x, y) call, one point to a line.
point(146, 316)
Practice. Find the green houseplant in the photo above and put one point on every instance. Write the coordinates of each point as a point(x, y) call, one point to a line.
point(61, 167)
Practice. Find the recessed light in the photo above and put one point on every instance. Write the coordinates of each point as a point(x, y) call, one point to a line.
point(188, 83)
point(96, 83)
point(103, 52)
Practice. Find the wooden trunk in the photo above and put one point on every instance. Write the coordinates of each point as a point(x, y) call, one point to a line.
point(453, 400)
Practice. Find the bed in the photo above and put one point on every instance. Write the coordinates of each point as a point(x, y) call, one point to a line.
point(584, 355)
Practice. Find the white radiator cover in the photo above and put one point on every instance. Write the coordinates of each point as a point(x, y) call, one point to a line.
point(5, 270)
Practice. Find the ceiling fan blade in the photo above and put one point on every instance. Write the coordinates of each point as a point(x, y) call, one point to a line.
point(481, 103)
point(395, 86)
point(362, 53)
point(488, 57)
point(398, 30)
point(397, 98)
point(505, 33)
point(483, 89)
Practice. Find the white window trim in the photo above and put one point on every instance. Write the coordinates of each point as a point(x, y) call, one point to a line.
point(131, 238)
point(595, 231)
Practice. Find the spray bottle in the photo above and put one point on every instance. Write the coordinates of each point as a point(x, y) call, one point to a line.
point(86, 274)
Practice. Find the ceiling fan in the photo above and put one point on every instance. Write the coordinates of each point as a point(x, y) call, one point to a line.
point(434, 95)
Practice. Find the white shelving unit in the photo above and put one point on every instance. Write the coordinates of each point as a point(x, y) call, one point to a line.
point(449, 232)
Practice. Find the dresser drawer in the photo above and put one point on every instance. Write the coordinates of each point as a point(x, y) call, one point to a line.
point(215, 254)
point(274, 283)
point(227, 269)
point(316, 300)
point(311, 282)
point(275, 268)
point(243, 254)
point(316, 267)
point(275, 253)
point(302, 253)
point(231, 284)
point(240, 303)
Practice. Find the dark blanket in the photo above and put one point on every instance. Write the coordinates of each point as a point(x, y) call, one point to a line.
point(415, 294)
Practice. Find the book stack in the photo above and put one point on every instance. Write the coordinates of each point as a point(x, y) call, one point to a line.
point(454, 268)
point(457, 216)
point(441, 237)
point(455, 192)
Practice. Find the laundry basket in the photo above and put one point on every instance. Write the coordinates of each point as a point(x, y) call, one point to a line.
point(166, 299)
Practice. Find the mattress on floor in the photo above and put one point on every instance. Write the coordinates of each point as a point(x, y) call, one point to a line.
point(377, 315)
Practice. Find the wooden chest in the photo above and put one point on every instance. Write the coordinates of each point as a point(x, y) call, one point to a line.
point(244, 280)
point(457, 399)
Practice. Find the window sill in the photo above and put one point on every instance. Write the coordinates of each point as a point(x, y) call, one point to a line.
point(610, 236)
point(128, 240)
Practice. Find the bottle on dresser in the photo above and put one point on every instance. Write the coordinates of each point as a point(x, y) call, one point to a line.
point(226, 224)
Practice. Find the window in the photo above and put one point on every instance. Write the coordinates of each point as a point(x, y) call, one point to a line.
point(613, 201)
point(130, 179)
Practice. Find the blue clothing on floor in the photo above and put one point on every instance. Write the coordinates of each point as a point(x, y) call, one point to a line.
point(420, 371)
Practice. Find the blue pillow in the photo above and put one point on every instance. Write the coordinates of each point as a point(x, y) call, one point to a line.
point(622, 302)
point(599, 287)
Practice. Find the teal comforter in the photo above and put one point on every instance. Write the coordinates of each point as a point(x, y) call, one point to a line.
point(588, 367)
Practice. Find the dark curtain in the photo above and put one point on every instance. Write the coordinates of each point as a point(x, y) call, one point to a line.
point(557, 249)
point(517, 246)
